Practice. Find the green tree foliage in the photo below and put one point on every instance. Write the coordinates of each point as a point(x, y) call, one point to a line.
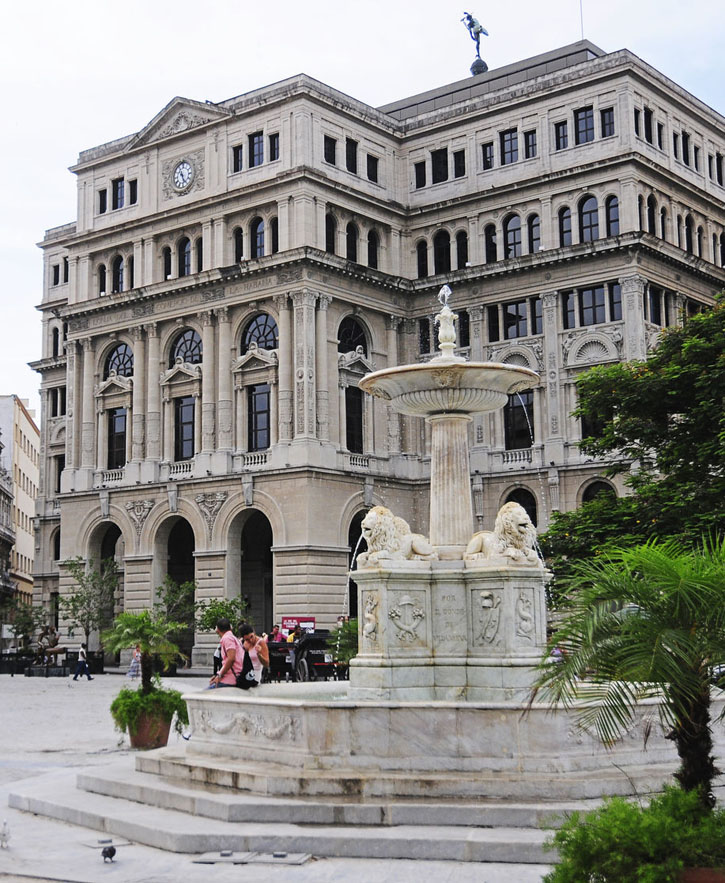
point(647, 621)
point(666, 419)
point(24, 619)
point(177, 600)
point(233, 609)
point(90, 605)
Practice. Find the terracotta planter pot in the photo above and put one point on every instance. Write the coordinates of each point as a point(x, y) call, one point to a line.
point(702, 875)
point(152, 732)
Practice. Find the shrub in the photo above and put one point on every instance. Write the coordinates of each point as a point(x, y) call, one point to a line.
point(623, 842)
point(129, 705)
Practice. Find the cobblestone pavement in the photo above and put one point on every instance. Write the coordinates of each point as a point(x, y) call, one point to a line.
point(54, 723)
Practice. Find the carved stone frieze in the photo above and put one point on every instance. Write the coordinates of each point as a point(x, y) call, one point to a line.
point(406, 615)
point(489, 619)
point(525, 616)
point(210, 504)
point(370, 617)
point(138, 512)
point(278, 727)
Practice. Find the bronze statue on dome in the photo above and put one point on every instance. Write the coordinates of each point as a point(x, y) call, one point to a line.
point(475, 29)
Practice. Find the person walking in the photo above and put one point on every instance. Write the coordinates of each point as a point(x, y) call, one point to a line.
point(82, 667)
point(134, 668)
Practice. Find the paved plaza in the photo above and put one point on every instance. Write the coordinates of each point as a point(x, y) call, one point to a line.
point(50, 725)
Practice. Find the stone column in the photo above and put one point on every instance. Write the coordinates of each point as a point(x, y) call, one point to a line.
point(206, 243)
point(148, 275)
point(283, 220)
point(138, 267)
point(102, 436)
point(323, 393)
point(475, 315)
point(392, 325)
point(451, 507)
point(304, 364)
point(273, 413)
point(554, 431)
point(284, 369)
point(139, 394)
point(88, 430)
point(71, 404)
point(153, 398)
point(208, 403)
point(635, 337)
point(224, 381)
point(219, 243)
point(198, 423)
point(168, 427)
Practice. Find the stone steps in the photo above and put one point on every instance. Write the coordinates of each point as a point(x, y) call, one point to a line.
point(56, 796)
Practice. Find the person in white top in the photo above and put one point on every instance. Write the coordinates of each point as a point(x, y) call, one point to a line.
point(257, 649)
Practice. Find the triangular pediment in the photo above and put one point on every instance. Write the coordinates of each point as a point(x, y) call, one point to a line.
point(255, 358)
point(114, 384)
point(356, 361)
point(181, 371)
point(179, 115)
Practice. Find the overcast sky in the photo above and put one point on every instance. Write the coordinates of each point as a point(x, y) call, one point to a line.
point(75, 74)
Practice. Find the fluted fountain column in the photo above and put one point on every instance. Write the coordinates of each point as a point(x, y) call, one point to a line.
point(451, 506)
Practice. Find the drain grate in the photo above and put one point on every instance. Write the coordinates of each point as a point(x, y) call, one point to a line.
point(226, 856)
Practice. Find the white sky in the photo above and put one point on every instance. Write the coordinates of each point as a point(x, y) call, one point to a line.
point(75, 74)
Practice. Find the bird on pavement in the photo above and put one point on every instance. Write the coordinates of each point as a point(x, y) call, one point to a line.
point(108, 852)
point(4, 834)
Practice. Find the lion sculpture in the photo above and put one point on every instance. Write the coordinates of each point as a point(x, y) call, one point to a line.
point(513, 537)
point(389, 539)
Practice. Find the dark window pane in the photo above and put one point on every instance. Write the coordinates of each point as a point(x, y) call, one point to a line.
point(187, 348)
point(537, 320)
point(262, 330)
point(119, 362)
point(442, 252)
point(461, 249)
point(350, 336)
point(237, 154)
point(584, 125)
point(102, 201)
point(530, 144)
point(184, 428)
point(422, 255)
point(116, 438)
point(459, 163)
point(424, 335)
point(509, 146)
point(487, 155)
point(607, 121)
point(274, 146)
point(612, 211)
point(561, 135)
point(238, 244)
point(494, 332)
point(330, 150)
point(274, 231)
point(354, 419)
point(351, 155)
point(256, 236)
point(564, 227)
point(439, 165)
point(372, 168)
point(512, 237)
point(258, 417)
point(351, 237)
point(591, 305)
point(184, 255)
point(373, 246)
point(588, 220)
point(133, 192)
point(534, 227)
point(648, 125)
point(518, 419)
point(256, 149)
point(464, 329)
point(489, 236)
point(636, 121)
point(568, 303)
point(514, 320)
point(56, 274)
point(117, 193)
point(419, 175)
point(330, 233)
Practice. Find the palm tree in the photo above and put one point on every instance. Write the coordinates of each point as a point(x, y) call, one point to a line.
point(648, 621)
point(152, 631)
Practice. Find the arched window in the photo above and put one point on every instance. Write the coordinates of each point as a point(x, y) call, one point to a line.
point(263, 331)
point(256, 237)
point(350, 336)
point(518, 421)
point(651, 215)
point(274, 230)
point(56, 343)
point(588, 219)
point(526, 500)
point(166, 260)
point(373, 246)
point(689, 225)
point(442, 252)
point(422, 252)
point(700, 241)
point(461, 249)
point(199, 245)
point(330, 233)
point(187, 347)
point(611, 212)
point(533, 225)
point(56, 545)
point(597, 488)
point(640, 212)
point(238, 245)
point(183, 250)
point(119, 361)
point(117, 268)
point(564, 227)
point(351, 242)
point(489, 238)
point(512, 236)
point(663, 223)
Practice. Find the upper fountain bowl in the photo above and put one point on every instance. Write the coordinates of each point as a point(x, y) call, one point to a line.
point(448, 386)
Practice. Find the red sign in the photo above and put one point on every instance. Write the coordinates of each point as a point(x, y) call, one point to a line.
point(305, 622)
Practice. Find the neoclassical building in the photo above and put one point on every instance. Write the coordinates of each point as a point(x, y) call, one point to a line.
point(235, 268)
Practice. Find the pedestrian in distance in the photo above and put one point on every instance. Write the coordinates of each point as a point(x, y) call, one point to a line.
point(82, 666)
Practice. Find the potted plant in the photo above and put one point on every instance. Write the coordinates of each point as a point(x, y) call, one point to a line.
point(147, 713)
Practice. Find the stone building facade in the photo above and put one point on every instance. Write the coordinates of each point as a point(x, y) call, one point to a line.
point(235, 268)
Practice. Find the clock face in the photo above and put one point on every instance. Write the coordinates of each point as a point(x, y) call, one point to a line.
point(183, 175)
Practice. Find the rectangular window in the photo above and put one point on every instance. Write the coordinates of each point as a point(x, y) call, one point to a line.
point(509, 141)
point(606, 117)
point(439, 165)
point(274, 146)
point(494, 332)
point(676, 145)
point(184, 428)
point(514, 320)
point(329, 147)
point(648, 125)
point(102, 201)
point(655, 305)
point(686, 148)
point(568, 305)
point(424, 335)
point(116, 438)
point(133, 192)
point(65, 269)
point(591, 306)
point(561, 135)
point(351, 155)
point(615, 302)
point(354, 419)
point(372, 168)
point(459, 163)
point(258, 417)
point(117, 193)
point(584, 125)
point(256, 149)
point(710, 166)
point(56, 274)
point(537, 317)
point(660, 136)
point(464, 328)
point(518, 421)
point(530, 144)
point(718, 168)
point(696, 157)
point(59, 467)
point(636, 121)
point(487, 150)
point(237, 158)
point(419, 175)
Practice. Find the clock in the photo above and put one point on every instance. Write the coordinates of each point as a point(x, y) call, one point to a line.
point(183, 175)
